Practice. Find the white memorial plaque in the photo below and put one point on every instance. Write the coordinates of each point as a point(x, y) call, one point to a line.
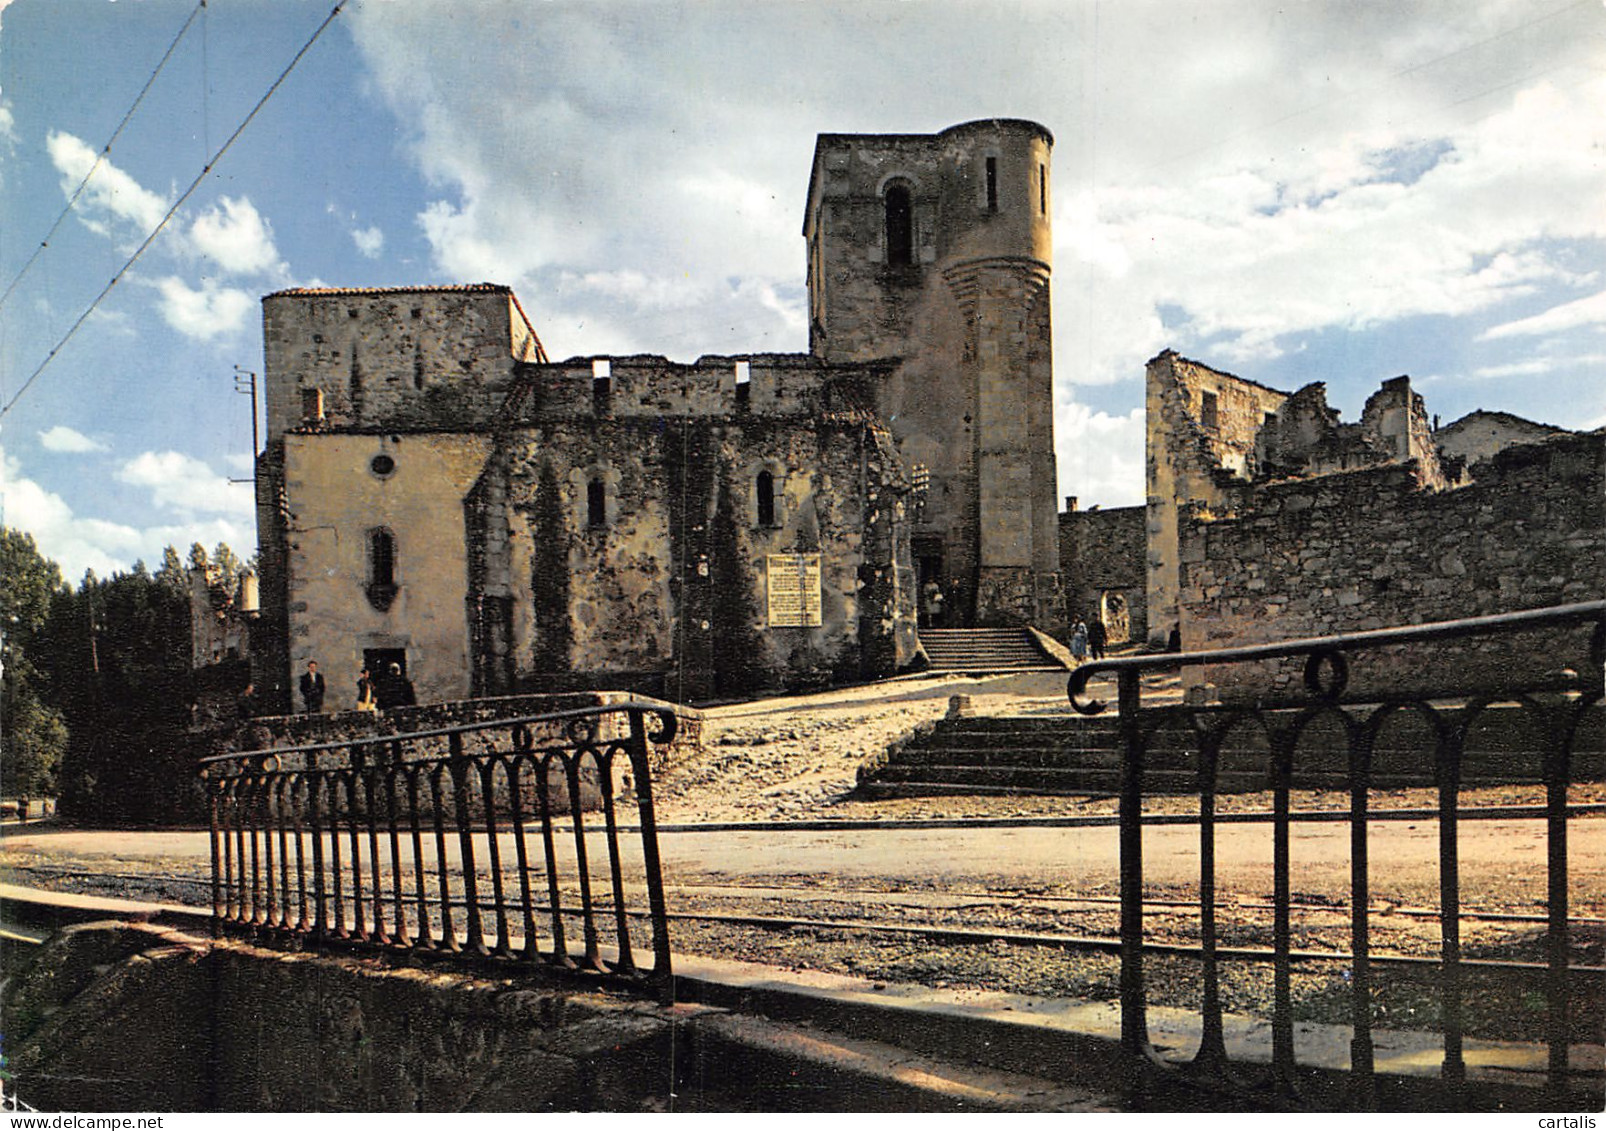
point(794, 590)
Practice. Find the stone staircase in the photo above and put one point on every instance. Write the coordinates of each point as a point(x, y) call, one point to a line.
point(985, 650)
point(1070, 754)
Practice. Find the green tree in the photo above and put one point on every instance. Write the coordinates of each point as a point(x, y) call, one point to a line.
point(33, 732)
point(228, 565)
point(123, 646)
point(172, 573)
point(197, 556)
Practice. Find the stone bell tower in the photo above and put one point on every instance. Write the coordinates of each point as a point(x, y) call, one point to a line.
point(935, 250)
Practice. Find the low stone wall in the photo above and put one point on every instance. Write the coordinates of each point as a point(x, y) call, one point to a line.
point(134, 1017)
point(283, 731)
point(307, 730)
point(1368, 549)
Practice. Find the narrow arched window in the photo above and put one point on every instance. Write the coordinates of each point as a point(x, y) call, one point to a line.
point(900, 227)
point(596, 503)
point(382, 557)
point(381, 568)
point(764, 488)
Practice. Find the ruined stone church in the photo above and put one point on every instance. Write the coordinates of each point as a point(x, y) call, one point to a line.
point(438, 494)
point(435, 492)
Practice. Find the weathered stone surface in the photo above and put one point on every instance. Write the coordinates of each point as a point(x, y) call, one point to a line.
point(435, 491)
point(1379, 549)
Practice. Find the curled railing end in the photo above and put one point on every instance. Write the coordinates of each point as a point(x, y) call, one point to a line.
point(668, 725)
point(1074, 689)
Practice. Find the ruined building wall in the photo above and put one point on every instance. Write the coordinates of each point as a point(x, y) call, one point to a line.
point(935, 251)
point(1304, 438)
point(420, 358)
point(1479, 435)
point(341, 499)
point(1199, 444)
point(1373, 548)
point(673, 579)
point(595, 520)
point(1101, 567)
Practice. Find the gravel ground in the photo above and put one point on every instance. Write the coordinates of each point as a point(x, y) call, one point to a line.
point(797, 758)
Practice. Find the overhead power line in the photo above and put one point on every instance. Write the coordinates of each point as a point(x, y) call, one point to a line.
point(177, 204)
point(100, 157)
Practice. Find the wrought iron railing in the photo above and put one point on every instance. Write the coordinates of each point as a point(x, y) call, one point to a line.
point(1552, 704)
point(449, 842)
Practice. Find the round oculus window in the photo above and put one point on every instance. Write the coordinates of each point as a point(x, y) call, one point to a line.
point(382, 465)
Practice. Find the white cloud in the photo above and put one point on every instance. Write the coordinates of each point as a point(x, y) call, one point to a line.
point(1540, 366)
point(64, 439)
point(1100, 456)
point(180, 482)
point(1589, 311)
point(110, 192)
point(77, 543)
point(1306, 170)
point(235, 236)
point(204, 314)
point(1246, 260)
point(370, 242)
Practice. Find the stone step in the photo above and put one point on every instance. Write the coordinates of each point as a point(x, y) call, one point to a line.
point(1071, 754)
point(982, 649)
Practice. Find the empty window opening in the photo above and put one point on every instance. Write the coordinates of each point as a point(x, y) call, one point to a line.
point(900, 227)
point(765, 489)
point(1042, 189)
point(601, 385)
point(992, 184)
point(311, 404)
point(744, 372)
point(381, 568)
point(596, 503)
point(1207, 411)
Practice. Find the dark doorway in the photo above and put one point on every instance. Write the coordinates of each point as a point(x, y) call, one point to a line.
point(378, 660)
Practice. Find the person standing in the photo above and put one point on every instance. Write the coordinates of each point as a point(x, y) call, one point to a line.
point(403, 691)
point(1079, 641)
point(1097, 637)
point(312, 688)
point(931, 605)
point(366, 701)
point(245, 703)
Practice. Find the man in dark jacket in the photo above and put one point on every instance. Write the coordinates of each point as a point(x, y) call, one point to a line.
point(312, 688)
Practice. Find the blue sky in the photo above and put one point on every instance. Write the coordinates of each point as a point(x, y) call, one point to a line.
point(1340, 192)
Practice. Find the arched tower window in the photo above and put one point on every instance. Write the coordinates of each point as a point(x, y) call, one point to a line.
point(381, 568)
point(900, 227)
point(596, 503)
point(764, 488)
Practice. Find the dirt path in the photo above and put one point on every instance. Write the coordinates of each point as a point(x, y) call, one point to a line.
point(786, 758)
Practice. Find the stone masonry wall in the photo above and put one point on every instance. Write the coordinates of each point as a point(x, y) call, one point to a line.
point(399, 359)
point(1369, 549)
point(1101, 559)
point(1193, 456)
point(673, 579)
